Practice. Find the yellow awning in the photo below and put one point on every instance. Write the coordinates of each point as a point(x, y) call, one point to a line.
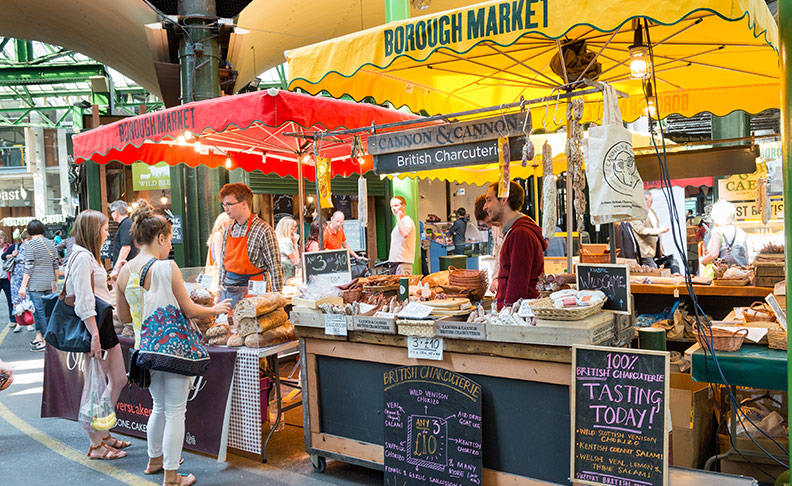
point(709, 55)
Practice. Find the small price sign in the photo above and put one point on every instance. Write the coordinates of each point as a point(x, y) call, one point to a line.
point(335, 324)
point(257, 287)
point(204, 281)
point(425, 348)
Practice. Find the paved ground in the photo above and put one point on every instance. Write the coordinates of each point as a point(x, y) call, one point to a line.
point(37, 451)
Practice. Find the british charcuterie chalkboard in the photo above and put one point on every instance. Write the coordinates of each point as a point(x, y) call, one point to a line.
point(619, 416)
point(612, 279)
point(332, 265)
point(432, 427)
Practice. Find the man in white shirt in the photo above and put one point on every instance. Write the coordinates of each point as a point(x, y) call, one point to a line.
point(647, 233)
point(402, 251)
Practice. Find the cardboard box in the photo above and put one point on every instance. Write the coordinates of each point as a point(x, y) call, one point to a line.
point(691, 406)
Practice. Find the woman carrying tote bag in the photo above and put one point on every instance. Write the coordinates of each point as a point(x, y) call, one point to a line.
point(90, 230)
point(164, 308)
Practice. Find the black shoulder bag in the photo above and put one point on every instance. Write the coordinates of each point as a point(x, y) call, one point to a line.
point(137, 374)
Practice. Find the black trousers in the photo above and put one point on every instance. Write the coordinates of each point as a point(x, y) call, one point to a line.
point(5, 286)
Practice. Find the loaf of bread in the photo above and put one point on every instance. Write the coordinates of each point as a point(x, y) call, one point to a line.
point(259, 305)
point(272, 337)
point(217, 331)
point(218, 340)
point(205, 324)
point(272, 320)
point(437, 279)
point(236, 340)
point(202, 296)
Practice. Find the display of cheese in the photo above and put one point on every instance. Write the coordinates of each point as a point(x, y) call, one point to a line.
point(247, 326)
point(278, 335)
point(253, 307)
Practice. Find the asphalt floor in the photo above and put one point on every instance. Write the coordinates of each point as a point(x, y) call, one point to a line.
point(45, 451)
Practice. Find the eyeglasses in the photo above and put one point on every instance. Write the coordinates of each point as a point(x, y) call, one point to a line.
point(229, 205)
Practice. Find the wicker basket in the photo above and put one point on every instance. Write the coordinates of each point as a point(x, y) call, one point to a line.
point(777, 338)
point(408, 327)
point(543, 309)
point(758, 312)
point(353, 295)
point(722, 340)
point(730, 282)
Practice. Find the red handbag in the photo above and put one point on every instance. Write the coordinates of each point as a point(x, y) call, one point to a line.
point(26, 319)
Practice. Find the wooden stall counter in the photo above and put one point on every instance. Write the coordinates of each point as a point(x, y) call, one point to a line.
point(713, 290)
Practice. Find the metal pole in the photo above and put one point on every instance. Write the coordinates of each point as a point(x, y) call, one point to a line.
point(570, 207)
point(301, 201)
point(318, 196)
point(785, 37)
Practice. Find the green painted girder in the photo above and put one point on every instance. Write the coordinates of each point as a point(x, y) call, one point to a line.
point(50, 74)
point(54, 93)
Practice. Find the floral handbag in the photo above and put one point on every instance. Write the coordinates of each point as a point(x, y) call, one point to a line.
point(169, 342)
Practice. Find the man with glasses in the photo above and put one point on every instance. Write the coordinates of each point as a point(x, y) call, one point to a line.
point(124, 248)
point(250, 247)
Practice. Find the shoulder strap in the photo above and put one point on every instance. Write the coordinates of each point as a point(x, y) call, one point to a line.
point(144, 271)
point(734, 237)
point(68, 272)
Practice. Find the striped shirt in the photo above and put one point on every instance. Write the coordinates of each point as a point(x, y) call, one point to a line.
point(263, 251)
point(41, 264)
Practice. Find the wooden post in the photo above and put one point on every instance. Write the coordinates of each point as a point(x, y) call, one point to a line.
point(371, 231)
point(102, 168)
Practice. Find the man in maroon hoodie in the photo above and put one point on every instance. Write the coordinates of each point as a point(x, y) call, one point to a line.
point(522, 254)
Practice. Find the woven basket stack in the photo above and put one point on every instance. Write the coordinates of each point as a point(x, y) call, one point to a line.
point(474, 280)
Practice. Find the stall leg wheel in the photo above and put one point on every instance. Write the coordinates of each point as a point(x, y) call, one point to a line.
point(319, 463)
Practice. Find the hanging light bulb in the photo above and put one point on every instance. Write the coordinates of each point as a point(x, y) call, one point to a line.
point(361, 160)
point(228, 162)
point(164, 199)
point(306, 159)
point(188, 135)
point(640, 65)
point(197, 146)
point(180, 140)
point(651, 101)
point(310, 199)
point(420, 4)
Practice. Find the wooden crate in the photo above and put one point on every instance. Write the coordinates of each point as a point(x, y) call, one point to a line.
point(314, 304)
point(596, 329)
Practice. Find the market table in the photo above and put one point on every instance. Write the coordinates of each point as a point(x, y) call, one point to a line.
point(752, 366)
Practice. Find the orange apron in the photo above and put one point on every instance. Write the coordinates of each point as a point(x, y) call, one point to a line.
point(237, 262)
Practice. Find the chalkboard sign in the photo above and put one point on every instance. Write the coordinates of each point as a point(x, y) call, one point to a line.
point(177, 230)
point(612, 279)
point(432, 427)
point(331, 265)
point(355, 234)
point(619, 416)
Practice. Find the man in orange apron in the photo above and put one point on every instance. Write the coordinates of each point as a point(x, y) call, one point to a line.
point(250, 247)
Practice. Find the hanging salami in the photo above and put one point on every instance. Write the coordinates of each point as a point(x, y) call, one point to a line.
point(575, 159)
point(549, 213)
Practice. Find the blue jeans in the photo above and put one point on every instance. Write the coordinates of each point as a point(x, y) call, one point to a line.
point(38, 304)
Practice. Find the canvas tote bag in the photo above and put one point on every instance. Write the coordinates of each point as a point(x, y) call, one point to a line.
point(615, 187)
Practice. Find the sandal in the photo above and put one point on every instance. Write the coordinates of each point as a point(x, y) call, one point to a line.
point(116, 443)
point(154, 465)
point(173, 478)
point(109, 453)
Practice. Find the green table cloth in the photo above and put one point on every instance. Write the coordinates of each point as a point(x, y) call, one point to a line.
point(752, 366)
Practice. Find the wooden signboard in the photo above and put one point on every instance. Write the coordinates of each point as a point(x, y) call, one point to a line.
point(619, 416)
point(332, 265)
point(611, 279)
point(432, 427)
point(439, 135)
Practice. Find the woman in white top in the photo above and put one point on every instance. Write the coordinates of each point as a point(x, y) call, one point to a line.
point(162, 286)
point(727, 241)
point(288, 240)
point(83, 267)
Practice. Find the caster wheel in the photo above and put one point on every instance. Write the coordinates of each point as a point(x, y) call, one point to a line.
point(319, 463)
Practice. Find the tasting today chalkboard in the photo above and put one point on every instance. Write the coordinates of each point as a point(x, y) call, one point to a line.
point(332, 265)
point(619, 416)
point(612, 279)
point(432, 427)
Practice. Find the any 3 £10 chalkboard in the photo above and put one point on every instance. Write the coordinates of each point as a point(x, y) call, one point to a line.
point(612, 279)
point(332, 265)
point(432, 427)
point(619, 416)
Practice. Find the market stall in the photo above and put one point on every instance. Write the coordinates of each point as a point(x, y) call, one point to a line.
point(425, 63)
point(244, 132)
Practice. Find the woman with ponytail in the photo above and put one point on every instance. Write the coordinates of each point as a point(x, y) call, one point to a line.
point(149, 288)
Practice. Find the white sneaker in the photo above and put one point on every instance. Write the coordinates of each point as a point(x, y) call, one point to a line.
point(31, 328)
point(17, 328)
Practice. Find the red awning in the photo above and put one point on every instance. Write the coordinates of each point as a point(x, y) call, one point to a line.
point(241, 131)
point(693, 181)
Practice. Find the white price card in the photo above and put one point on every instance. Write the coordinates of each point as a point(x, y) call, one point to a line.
point(525, 310)
point(204, 281)
point(414, 310)
point(335, 324)
point(425, 348)
point(257, 287)
point(221, 319)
